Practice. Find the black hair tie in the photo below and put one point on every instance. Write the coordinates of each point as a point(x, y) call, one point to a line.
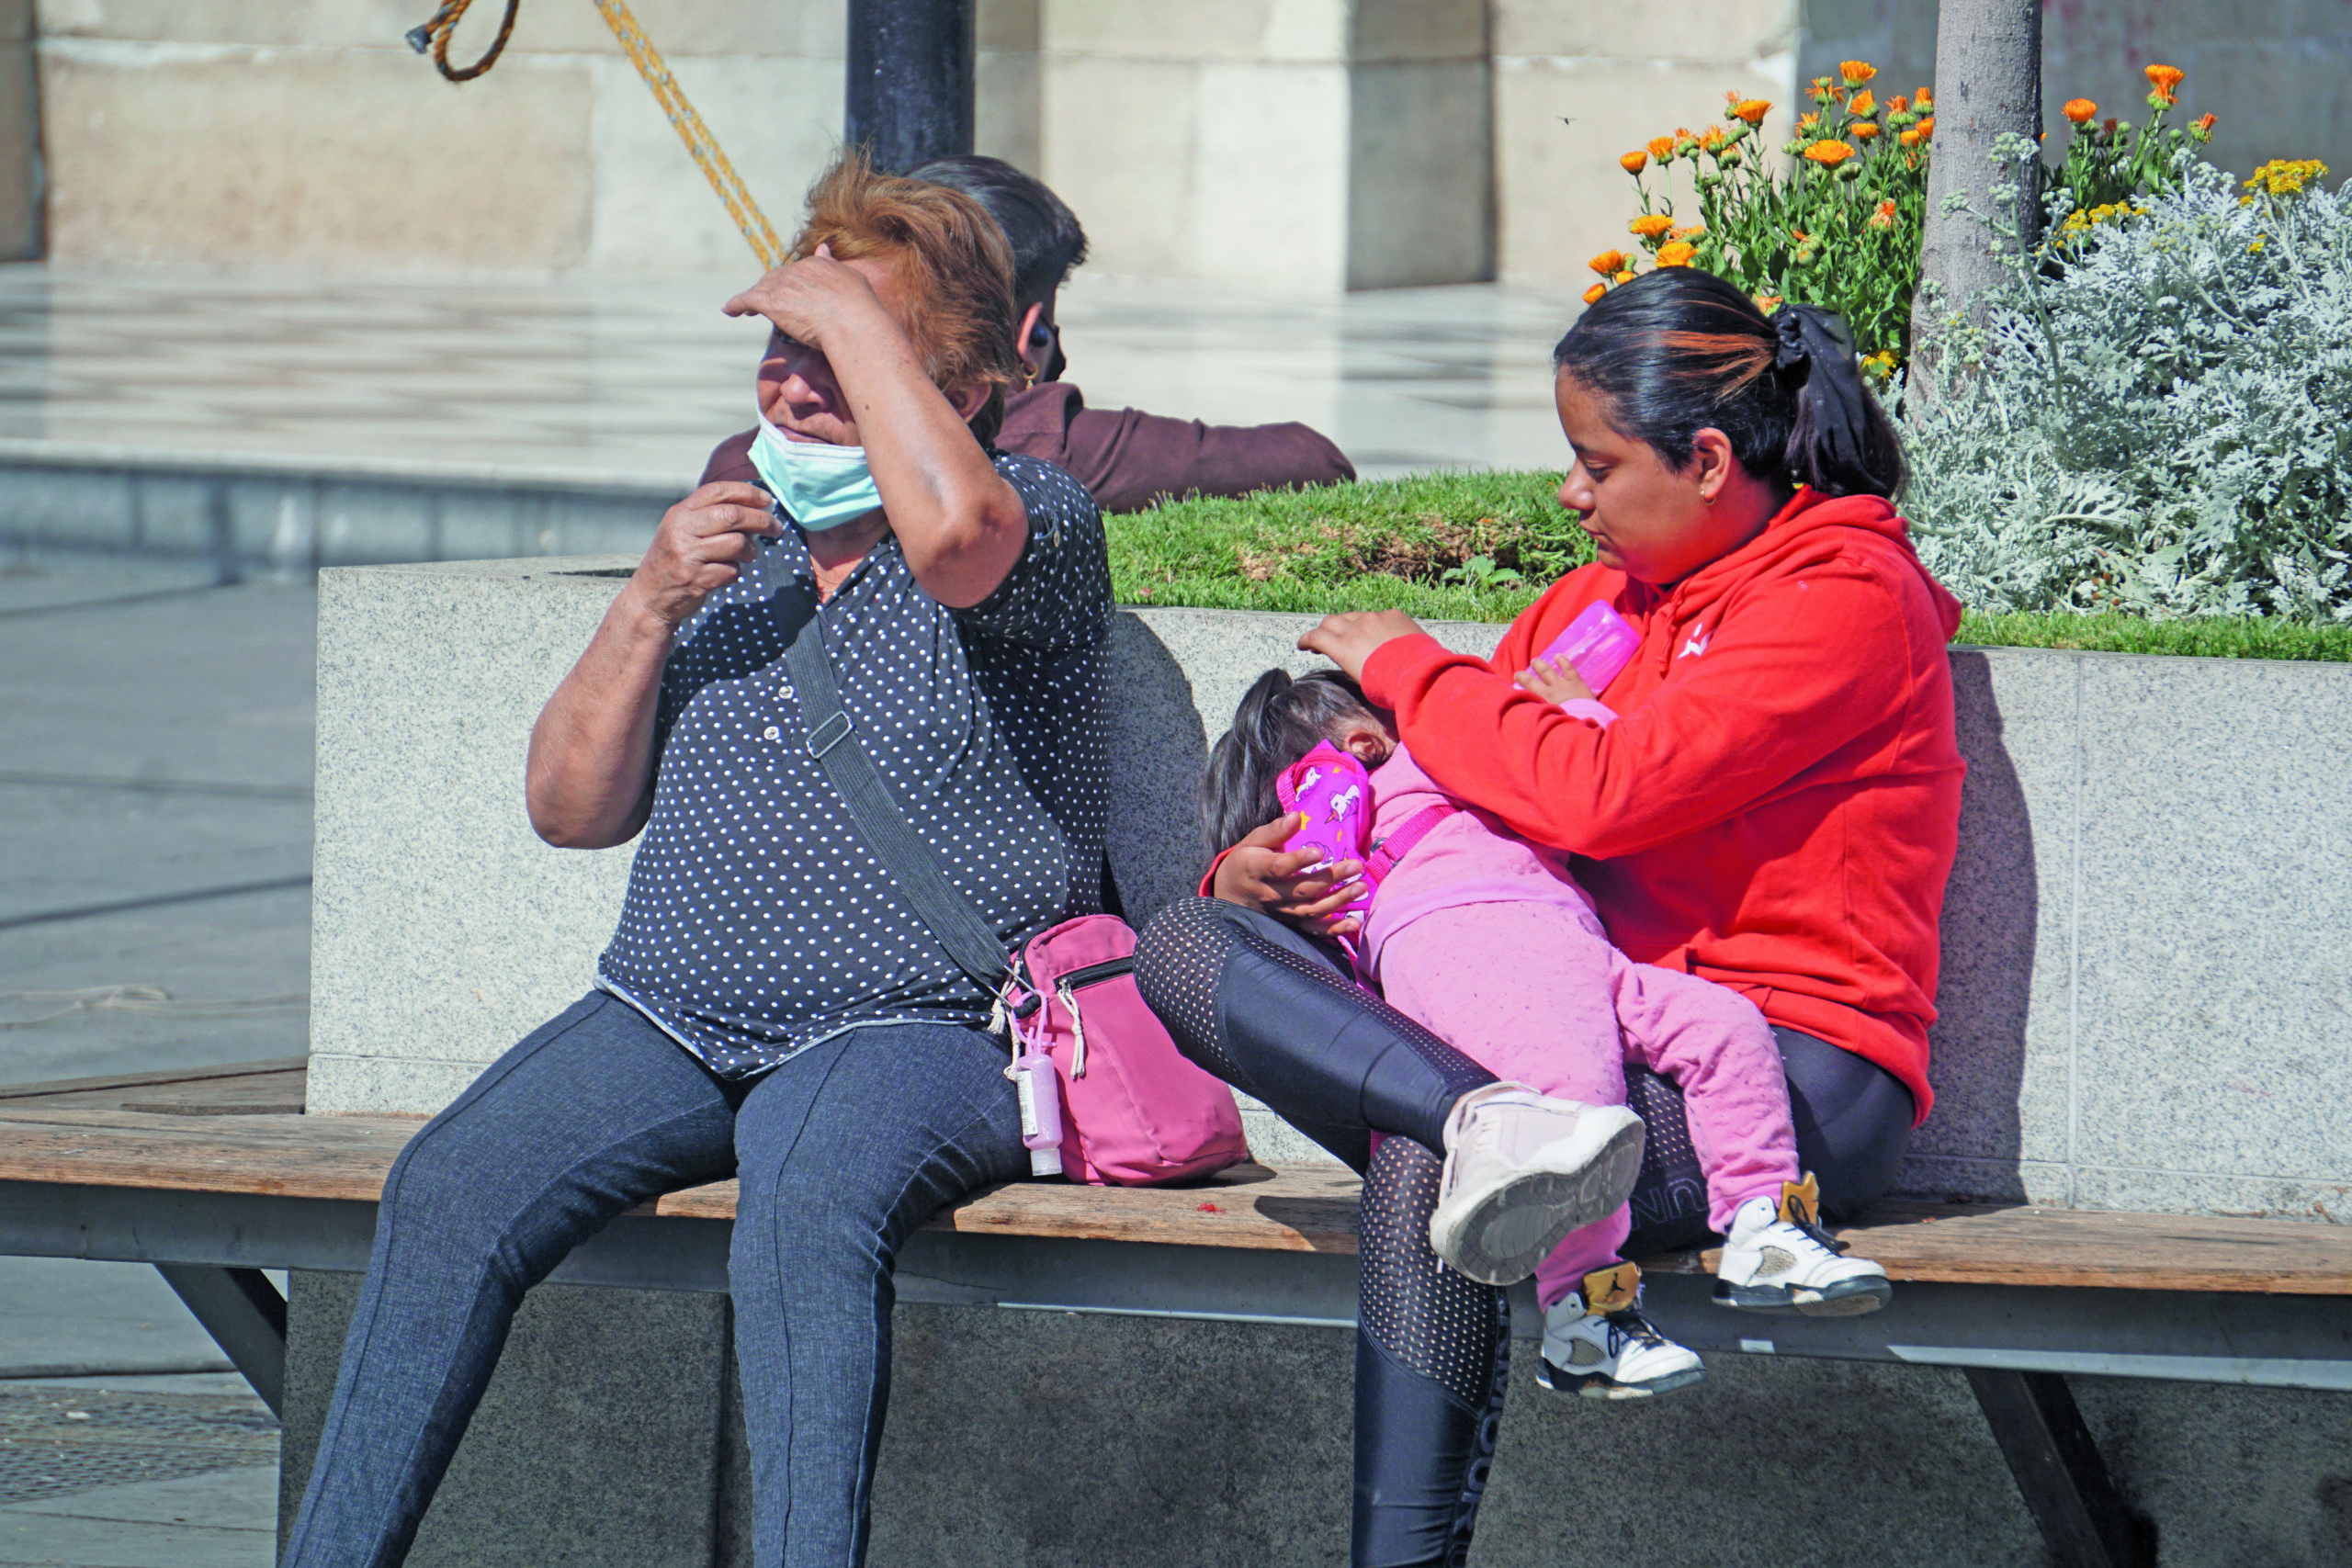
point(1831, 383)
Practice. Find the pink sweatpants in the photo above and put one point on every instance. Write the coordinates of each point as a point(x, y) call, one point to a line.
point(1533, 992)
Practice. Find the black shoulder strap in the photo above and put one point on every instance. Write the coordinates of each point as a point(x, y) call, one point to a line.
point(913, 866)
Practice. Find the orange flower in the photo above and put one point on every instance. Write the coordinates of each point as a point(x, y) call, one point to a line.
point(1692, 232)
point(1712, 139)
point(1625, 277)
point(1883, 217)
point(1608, 262)
point(1592, 295)
point(1752, 110)
point(2080, 109)
point(2167, 77)
point(1767, 303)
point(1922, 98)
point(1807, 121)
point(2201, 127)
point(1799, 235)
point(1856, 71)
point(1910, 138)
point(1863, 105)
point(1634, 162)
point(1650, 225)
point(1927, 128)
point(1863, 131)
point(1676, 253)
point(1661, 148)
point(1829, 154)
point(1897, 104)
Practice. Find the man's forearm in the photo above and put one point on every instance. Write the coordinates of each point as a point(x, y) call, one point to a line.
point(590, 778)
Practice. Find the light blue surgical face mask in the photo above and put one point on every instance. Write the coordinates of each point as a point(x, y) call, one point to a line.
point(822, 487)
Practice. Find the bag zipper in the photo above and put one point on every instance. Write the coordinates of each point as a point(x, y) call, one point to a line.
point(1065, 987)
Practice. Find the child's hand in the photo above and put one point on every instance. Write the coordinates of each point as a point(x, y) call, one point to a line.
point(1290, 885)
point(1555, 681)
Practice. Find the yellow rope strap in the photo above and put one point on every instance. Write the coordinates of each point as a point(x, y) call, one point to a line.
point(434, 37)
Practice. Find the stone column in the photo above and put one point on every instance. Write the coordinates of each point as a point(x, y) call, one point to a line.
point(1301, 145)
point(21, 226)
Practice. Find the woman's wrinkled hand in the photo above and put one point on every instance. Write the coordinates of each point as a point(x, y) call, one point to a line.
point(1555, 681)
point(699, 548)
point(809, 299)
point(1347, 639)
point(1258, 873)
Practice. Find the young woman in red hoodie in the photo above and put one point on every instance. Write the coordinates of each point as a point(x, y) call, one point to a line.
point(1775, 809)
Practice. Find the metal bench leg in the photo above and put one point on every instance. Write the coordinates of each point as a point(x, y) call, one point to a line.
point(246, 1317)
point(2057, 1466)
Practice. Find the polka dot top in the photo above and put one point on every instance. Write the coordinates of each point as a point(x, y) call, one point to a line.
point(757, 921)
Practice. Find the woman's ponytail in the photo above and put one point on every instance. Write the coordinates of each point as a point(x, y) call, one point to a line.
point(1841, 442)
point(1677, 351)
point(1279, 721)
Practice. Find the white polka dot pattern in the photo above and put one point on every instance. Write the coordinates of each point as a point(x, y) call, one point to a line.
point(757, 922)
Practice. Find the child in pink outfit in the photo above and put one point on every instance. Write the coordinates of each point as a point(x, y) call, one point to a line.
point(1486, 940)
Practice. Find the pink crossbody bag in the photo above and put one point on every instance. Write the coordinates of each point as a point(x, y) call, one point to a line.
point(1105, 1096)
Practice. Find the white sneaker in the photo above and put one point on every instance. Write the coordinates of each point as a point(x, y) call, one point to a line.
point(1598, 1344)
point(1780, 1260)
point(1521, 1171)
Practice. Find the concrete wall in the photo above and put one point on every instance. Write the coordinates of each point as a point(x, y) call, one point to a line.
point(306, 133)
point(1577, 83)
point(2147, 999)
point(1305, 145)
point(2278, 72)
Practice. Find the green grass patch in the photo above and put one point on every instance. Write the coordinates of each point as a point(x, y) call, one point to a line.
point(1481, 546)
point(1443, 546)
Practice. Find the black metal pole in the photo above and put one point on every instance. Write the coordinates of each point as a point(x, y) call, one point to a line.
point(909, 90)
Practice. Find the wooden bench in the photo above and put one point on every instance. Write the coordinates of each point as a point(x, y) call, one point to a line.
point(214, 1176)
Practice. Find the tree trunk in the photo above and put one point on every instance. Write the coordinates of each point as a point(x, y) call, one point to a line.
point(1988, 81)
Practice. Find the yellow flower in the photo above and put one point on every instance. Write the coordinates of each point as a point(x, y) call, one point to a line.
point(1608, 262)
point(2286, 177)
point(2080, 109)
point(1661, 148)
point(1863, 105)
point(1676, 253)
point(1879, 366)
point(1592, 295)
point(1650, 225)
point(1829, 153)
point(1752, 110)
point(1863, 131)
point(1634, 162)
point(1856, 71)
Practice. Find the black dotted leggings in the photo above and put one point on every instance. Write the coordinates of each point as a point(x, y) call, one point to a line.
point(1272, 1014)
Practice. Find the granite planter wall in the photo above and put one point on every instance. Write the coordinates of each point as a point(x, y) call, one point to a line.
point(2147, 999)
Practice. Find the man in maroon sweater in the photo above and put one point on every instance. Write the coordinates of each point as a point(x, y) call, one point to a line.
point(1127, 459)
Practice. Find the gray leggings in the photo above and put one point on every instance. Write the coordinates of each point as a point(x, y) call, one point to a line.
point(841, 1152)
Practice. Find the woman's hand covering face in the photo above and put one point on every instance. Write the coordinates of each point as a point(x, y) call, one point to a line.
point(1258, 873)
point(810, 301)
point(1347, 640)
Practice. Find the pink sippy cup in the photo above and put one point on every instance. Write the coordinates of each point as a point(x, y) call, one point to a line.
point(1596, 646)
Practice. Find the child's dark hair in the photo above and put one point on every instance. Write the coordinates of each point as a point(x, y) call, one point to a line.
point(1278, 722)
point(1679, 350)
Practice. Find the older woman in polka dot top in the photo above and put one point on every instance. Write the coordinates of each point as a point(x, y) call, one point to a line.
point(768, 1008)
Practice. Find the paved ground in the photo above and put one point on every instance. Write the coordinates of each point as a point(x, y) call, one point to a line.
point(637, 379)
point(154, 910)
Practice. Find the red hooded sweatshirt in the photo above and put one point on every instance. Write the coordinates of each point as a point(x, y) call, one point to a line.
point(1778, 803)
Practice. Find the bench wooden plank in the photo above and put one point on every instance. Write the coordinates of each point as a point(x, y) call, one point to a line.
point(232, 1088)
point(1299, 1209)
